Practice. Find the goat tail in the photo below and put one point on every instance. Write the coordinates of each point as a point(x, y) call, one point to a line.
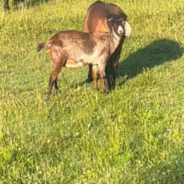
point(40, 47)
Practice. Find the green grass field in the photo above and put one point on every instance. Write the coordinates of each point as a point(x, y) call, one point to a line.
point(133, 135)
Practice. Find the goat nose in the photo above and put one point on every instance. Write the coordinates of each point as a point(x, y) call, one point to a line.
point(120, 30)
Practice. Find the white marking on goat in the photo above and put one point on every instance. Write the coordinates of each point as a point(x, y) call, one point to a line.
point(95, 66)
point(120, 30)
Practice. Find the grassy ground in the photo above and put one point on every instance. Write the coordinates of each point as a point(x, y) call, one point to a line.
point(134, 135)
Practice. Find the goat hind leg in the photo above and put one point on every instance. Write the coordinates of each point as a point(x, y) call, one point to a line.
point(51, 83)
point(53, 77)
point(56, 86)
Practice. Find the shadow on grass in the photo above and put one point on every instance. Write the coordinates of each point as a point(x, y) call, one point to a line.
point(165, 173)
point(155, 54)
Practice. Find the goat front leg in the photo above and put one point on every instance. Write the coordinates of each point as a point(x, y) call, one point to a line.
point(115, 59)
point(103, 79)
point(95, 76)
point(102, 63)
point(115, 68)
point(103, 82)
point(90, 77)
point(109, 73)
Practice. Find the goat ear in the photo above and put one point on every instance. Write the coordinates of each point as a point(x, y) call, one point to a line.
point(128, 29)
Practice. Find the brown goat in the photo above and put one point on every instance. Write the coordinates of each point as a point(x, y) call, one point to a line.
point(76, 49)
point(95, 21)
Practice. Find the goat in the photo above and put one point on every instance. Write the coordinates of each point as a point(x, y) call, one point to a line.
point(95, 21)
point(77, 49)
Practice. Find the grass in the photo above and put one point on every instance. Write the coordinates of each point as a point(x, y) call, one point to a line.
point(133, 135)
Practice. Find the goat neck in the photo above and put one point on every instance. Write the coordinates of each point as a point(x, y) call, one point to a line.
point(114, 40)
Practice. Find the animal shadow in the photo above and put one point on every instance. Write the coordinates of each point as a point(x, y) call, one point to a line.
point(157, 53)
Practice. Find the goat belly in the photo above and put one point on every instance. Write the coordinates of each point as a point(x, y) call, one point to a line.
point(74, 64)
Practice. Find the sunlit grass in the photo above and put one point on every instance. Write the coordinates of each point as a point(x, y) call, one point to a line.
point(133, 135)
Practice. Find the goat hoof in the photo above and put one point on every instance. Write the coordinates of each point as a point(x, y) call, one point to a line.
point(57, 92)
point(106, 91)
point(48, 95)
point(95, 89)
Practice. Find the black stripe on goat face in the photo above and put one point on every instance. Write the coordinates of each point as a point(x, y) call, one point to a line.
point(117, 22)
point(119, 26)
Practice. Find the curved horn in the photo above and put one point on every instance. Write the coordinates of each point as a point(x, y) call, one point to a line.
point(128, 29)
